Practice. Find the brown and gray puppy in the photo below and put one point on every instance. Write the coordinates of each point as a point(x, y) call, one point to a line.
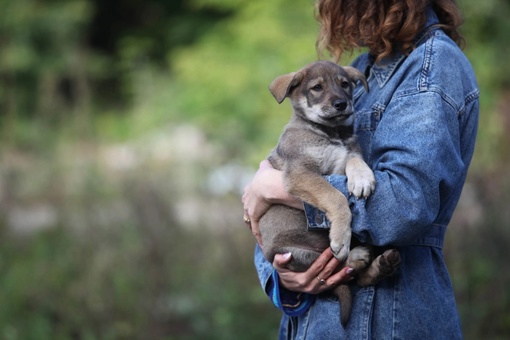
point(320, 140)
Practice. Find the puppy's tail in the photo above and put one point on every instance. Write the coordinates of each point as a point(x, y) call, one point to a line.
point(343, 292)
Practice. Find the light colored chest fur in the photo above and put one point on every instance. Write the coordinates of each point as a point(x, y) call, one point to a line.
point(313, 149)
point(329, 158)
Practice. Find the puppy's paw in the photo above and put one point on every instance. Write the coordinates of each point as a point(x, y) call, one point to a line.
point(361, 183)
point(359, 258)
point(340, 249)
point(383, 266)
point(388, 262)
point(340, 236)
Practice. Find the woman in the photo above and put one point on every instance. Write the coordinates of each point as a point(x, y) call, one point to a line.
point(417, 127)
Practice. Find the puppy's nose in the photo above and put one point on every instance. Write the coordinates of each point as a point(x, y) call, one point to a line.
point(340, 104)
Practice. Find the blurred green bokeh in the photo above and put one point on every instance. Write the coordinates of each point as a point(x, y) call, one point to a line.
point(127, 131)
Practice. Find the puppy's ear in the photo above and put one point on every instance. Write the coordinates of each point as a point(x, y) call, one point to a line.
point(281, 86)
point(356, 75)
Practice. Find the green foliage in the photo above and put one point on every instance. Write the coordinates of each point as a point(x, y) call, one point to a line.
point(143, 279)
point(478, 237)
point(486, 30)
point(62, 61)
point(225, 77)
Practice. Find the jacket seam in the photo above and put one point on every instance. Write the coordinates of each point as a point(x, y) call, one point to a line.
point(396, 294)
point(432, 90)
point(427, 61)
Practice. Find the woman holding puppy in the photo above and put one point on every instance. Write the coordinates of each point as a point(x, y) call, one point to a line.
point(417, 127)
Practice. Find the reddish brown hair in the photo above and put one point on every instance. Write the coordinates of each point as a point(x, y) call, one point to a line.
point(383, 26)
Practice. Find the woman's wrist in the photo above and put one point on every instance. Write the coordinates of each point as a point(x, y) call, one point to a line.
point(276, 192)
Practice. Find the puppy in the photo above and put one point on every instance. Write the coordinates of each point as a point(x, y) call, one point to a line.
point(320, 140)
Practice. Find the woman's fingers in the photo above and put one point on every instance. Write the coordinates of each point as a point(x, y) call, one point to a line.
point(254, 226)
point(325, 262)
point(322, 275)
point(255, 201)
point(343, 276)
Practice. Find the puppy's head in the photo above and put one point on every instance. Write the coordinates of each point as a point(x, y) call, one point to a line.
point(320, 92)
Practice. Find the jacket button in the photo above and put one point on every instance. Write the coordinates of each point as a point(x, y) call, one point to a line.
point(318, 219)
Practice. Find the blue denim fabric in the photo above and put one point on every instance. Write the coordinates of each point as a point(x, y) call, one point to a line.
point(417, 127)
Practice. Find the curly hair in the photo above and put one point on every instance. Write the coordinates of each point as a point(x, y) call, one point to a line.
point(383, 26)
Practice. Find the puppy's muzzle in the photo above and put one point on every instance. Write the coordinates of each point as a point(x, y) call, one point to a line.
point(340, 109)
point(340, 104)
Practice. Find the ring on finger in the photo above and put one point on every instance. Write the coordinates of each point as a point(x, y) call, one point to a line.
point(321, 281)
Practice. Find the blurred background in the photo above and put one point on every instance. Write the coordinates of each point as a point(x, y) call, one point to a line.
point(127, 132)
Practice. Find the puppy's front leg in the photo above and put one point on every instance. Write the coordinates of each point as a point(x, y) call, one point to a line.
point(360, 178)
point(312, 188)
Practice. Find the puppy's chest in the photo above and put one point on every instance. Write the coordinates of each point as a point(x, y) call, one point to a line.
point(330, 158)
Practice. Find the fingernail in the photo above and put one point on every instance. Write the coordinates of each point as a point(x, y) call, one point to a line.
point(349, 271)
point(287, 256)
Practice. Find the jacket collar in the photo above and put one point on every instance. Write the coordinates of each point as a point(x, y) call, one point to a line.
point(383, 70)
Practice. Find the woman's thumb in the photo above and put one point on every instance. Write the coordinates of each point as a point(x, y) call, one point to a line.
point(282, 259)
point(265, 164)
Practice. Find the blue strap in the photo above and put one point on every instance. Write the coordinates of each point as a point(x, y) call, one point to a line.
point(291, 303)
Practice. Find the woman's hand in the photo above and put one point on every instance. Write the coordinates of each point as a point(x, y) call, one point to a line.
point(265, 189)
point(322, 275)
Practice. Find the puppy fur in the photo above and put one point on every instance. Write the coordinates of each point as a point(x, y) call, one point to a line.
point(320, 140)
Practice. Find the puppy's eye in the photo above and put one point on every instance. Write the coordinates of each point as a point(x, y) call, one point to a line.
point(344, 84)
point(317, 87)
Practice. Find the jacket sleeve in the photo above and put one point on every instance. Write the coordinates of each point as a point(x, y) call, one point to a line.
point(418, 163)
point(290, 303)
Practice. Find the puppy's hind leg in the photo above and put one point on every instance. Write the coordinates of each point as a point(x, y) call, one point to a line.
point(383, 266)
point(305, 247)
point(359, 258)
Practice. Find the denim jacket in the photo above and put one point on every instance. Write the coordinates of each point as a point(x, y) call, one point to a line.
point(417, 127)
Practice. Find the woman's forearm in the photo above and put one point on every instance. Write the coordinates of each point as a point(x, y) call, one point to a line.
point(267, 188)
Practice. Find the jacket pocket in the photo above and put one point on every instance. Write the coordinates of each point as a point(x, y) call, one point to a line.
point(365, 125)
